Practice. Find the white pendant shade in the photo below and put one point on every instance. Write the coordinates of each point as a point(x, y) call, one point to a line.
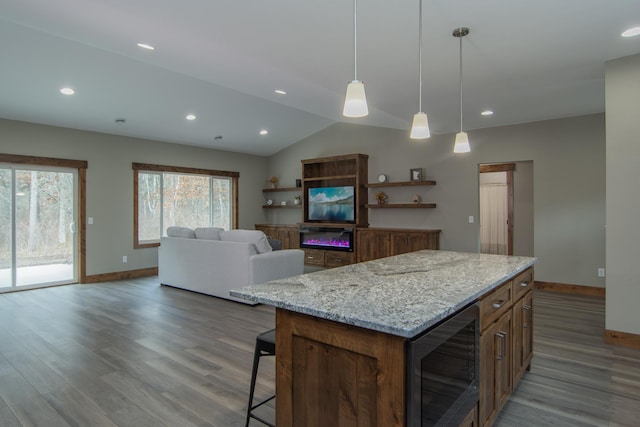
point(355, 102)
point(462, 140)
point(462, 143)
point(420, 126)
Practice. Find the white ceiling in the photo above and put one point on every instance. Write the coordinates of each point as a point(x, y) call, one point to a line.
point(222, 60)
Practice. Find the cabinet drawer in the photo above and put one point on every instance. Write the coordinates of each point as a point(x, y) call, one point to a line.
point(337, 259)
point(314, 257)
point(495, 304)
point(522, 283)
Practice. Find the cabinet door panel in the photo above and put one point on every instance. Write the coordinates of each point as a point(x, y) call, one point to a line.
point(522, 335)
point(495, 368)
point(404, 242)
point(400, 243)
point(289, 237)
point(372, 244)
point(503, 360)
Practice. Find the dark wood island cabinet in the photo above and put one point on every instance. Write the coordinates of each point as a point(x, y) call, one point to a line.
point(343, 334)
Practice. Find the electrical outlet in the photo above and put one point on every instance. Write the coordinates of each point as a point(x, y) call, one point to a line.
point(124, 259)
point(601, 272)
point(470, 219)
point(90, 220)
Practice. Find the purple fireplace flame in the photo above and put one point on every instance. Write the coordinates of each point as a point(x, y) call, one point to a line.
point(337, 239)
point(339, 243)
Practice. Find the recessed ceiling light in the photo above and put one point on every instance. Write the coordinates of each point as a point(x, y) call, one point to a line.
point(631, 32)
point(190, 117)
point(280, 92)
point(264, 132)
point(146, 46)
point(67, 91)
point(487, 113)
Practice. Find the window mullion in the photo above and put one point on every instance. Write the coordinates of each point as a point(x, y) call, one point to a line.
point(161, 205)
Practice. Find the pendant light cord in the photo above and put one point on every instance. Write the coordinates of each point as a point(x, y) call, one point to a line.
point(420, 58)
point(460, 37)
point(355, 40)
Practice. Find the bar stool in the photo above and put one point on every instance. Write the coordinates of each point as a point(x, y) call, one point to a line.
point(265, 346)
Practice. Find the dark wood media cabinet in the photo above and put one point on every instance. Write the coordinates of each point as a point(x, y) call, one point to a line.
point(371, 243)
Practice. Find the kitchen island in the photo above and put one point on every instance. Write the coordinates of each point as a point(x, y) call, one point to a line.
point(342, 333)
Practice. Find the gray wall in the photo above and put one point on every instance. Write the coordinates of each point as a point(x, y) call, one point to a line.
point(110, 182)
point(568, 158)
point(622, 79)
point(523, 229)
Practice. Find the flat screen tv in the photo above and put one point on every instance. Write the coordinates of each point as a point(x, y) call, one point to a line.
point(331, 204)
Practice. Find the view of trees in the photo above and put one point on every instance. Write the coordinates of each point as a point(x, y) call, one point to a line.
point(44, 217)
point(169, 199)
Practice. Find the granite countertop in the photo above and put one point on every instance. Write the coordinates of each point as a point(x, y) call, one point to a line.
point(402, 295)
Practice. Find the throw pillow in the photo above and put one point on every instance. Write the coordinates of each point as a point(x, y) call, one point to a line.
point(275, 244)
point(258, 238)
point(184, 232)
point(208, 233)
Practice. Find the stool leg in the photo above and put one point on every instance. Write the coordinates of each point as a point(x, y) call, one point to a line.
point(254, 372)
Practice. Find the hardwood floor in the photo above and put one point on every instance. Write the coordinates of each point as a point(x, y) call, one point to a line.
point(575, 379)
point(133, 353)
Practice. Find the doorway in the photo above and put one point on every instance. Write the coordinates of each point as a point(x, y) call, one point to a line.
point(38, 242)
point(506, 208)
point(496, 209)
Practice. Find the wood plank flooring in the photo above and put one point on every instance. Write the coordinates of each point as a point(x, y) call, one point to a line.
point(133, 353)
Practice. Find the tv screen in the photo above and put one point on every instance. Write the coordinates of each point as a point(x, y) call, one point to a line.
point(331, 204)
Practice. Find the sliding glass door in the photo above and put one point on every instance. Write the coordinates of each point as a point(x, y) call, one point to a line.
point(38, 244)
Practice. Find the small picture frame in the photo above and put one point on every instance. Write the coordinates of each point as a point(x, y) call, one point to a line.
point(415, 174)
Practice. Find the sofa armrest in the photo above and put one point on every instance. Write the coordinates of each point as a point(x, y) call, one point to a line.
point(276, 265)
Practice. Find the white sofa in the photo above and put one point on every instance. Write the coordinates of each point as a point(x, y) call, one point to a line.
point(213, 261)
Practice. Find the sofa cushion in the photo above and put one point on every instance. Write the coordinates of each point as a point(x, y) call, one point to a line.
point(208, 233)
point(258, 238)
point(184, 232)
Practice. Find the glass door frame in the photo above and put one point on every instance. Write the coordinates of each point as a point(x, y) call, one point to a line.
point(14, 168)
point(81, 166)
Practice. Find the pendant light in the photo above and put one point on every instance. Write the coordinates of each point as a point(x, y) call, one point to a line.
point(420, 125)
point(462, 140)
point(355, 102)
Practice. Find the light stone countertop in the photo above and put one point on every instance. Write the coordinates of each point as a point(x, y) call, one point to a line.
point(402, 295)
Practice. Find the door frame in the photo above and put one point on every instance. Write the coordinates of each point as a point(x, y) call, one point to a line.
point(81, 166)
point(508, 168)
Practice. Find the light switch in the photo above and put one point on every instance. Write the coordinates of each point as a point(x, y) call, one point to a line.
point(90, 220)
point(470, 219)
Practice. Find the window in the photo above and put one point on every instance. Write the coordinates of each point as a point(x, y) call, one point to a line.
point(168, 196)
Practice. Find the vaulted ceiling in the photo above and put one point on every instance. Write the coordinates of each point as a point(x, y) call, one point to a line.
point(223, 60)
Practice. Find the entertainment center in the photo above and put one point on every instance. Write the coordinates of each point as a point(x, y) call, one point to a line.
point(335, 228)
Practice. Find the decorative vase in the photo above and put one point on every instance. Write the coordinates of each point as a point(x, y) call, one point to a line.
point(274, 185)
point(381, 202)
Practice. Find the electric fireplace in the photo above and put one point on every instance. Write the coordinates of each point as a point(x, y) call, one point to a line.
point(329, 238)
